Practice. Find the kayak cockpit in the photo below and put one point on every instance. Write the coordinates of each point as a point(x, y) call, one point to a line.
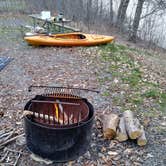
point(71, 36)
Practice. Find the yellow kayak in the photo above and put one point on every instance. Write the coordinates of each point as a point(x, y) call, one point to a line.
point(68, 39)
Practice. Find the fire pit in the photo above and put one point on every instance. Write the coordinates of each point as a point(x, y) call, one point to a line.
point(58, 124)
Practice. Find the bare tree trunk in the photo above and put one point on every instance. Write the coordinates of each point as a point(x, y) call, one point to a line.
point(111, 11)
point(122, 12)
point(63, 7)
point(133, 34)
point(101, 9)
point(89, 8)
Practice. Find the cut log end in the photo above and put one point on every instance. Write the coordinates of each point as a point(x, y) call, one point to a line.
point(110, 123)
point(121, 137)
point(121, 132)
point(135, 134)
point(109, 134)
point(141, 142)
point(131, 125)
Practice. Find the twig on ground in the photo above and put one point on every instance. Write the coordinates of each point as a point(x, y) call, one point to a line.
point(5, 130)
point(4, 133)
point(5, 164)
point(15, 151)
point(10, 140)
point(9, 135)
point(16, 162)
point(3, 158)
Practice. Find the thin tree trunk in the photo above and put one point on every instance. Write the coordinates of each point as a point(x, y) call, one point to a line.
point(111, 12)
point(133, 34)
point(101, 9)
point(89, 8)
point(122, 12)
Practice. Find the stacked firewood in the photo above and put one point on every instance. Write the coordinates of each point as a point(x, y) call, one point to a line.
point(123, 127)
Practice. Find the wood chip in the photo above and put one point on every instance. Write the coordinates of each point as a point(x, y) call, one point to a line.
point(112, 153)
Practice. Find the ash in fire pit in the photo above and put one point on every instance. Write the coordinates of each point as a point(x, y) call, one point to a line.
point(58, 125)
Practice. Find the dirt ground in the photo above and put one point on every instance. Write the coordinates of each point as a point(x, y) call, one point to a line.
point(55, 66)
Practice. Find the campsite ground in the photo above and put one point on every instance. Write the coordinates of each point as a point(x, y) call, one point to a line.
point(128, 77)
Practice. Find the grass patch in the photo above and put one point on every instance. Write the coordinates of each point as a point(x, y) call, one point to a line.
point(113, 47)
point(132, 91)
point(10, 34)
point(106, 94)
point(134, 78)
point(158, 96)
point(152, 93)
point(162, 101)
point(136, 99)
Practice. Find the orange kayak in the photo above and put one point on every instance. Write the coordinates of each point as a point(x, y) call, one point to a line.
point(68, 39)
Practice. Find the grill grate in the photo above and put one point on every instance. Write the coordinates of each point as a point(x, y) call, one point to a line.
point(59, 112)
point(59, 106)
point(62, 92)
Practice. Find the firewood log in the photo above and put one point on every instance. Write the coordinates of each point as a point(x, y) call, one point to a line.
point(42, 116)
point(53, 118)
point(121, 131)
point(132, 129)
point(110, 123)
point(142, 141)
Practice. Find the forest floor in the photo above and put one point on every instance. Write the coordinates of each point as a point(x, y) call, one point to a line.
point(127, 77)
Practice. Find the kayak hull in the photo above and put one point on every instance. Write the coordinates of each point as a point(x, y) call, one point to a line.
point(68, 40)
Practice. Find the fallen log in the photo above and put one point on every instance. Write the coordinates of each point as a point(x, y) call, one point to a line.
point(121, 131)
point(132, 128)
point(110, 123)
